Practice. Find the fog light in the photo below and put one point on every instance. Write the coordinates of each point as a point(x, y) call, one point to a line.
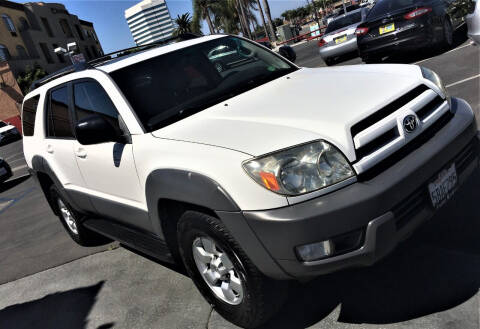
point(315, 251)
point(335, 246)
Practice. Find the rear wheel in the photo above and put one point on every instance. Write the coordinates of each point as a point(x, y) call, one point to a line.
point(447, 33)
point(71, 221)
point(224, 274)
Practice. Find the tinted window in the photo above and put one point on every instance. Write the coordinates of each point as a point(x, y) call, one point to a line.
point(342, 22)
point(59, 121)
point(28, 115)
point(170, 87)
point(384, 6)
point(2, 124)
point(90, 98)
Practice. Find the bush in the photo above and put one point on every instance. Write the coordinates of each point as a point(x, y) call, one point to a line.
point(26, 78)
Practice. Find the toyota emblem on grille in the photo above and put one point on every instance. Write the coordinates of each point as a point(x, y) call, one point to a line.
point(410, 123)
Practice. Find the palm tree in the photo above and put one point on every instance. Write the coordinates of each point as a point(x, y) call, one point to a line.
point(202, 10)
point(269, 19)
point(183, 23)
point(263, 18)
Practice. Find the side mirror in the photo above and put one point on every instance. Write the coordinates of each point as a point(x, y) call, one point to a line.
point(95, 129)
point(288, 53)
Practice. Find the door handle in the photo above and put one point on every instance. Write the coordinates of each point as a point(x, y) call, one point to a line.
point(49, 148)
point(81, 153)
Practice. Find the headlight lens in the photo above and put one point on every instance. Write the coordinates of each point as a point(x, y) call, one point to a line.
point(434, 77)
point(300, 169)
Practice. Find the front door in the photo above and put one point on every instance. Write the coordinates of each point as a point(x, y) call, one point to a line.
point(108, 169)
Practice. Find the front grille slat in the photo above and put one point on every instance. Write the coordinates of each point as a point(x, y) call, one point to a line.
point(424, 102)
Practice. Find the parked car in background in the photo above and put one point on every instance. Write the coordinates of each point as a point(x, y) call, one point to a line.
point(394, 26)
point(339, 38)
point(473, 22)
point(5, 171)
point(8, 133)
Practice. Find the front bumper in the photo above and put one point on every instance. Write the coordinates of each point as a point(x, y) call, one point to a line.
point(388, 207)
point(338, 50)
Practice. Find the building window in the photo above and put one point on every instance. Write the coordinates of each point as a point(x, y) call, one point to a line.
point(4, 53)
point(21, 52)
point(46, 53)
point(47, 27)
point(66, 28)
point(79, 32)
point(24, 24)
point(87, 52)
point(61, 57)
point(94, 52)
point(9, 24)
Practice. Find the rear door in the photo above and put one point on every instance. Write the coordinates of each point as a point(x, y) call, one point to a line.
point(109, 168)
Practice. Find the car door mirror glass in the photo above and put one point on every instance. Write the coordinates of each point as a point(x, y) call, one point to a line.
point(95, 129)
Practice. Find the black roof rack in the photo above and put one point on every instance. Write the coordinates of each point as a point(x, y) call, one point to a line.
point(108, 57)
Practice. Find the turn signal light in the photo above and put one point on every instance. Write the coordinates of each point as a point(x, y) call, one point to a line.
point(269, 180)
point(417, 12)
point(322, 43)
point(361, 30)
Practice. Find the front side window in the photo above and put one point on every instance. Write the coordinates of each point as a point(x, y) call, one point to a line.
point(29, 113)
point(90, 98)
point(170, 87)
point(59, 123)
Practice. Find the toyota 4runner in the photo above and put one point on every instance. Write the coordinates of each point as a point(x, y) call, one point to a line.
point(251, 175)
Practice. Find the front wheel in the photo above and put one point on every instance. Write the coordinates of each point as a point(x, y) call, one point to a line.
point(224, 274)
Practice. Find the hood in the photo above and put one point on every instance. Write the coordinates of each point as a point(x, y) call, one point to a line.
point(306, 105)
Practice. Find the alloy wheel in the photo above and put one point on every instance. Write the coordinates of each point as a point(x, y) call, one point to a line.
point(67, 216)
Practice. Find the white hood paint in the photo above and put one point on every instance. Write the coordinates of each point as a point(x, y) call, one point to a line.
point(306, 105)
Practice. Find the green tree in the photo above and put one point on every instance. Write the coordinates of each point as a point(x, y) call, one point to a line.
point(183, 24)
point(30, 75)
point(202, 11)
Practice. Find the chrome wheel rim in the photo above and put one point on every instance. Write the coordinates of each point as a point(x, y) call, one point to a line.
point(67, 216)
point(217, 271)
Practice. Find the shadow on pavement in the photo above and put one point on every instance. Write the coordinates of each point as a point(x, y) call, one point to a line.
point(437, 269)
point(68, 309)
point(5, 186)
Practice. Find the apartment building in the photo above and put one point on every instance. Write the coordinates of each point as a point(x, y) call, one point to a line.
point(30, 32)
point(149, 21)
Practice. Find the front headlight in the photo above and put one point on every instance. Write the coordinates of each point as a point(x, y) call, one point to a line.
point(300, 169)
point(435, 78)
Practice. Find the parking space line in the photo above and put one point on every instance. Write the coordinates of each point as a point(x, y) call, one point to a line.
point(462, 81)
point(19, 167)
point(455, 49)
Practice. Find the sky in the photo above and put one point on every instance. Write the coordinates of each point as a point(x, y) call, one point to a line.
point(112, 29)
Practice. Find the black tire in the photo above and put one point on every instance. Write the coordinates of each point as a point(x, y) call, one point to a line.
point(447, 41)
point(82, 236)
point(262, 297)
point(329, 61)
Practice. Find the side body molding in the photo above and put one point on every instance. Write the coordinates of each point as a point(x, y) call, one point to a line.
point(184, 186)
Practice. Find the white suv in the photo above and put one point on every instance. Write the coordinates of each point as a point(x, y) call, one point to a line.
point(251, 176)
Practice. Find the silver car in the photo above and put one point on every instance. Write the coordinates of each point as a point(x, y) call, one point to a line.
point(473, 22)
point(339, 38)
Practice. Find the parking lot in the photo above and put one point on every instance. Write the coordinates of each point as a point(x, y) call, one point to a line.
point(431, 281)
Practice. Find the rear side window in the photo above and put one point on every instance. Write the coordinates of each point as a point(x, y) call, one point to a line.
point(90, 98)
point(59, 123)
point(28, 115)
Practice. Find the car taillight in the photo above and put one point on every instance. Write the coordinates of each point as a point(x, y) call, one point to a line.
point(417, 12)
point(322, 43)
point(361, 30)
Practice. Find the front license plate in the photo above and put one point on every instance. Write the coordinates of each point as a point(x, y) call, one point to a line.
point(340, 39)
point(387, 28)
point(442, 188)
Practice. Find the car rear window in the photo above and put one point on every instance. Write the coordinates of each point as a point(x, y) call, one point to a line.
point(344, 21)
point(384, 6)
point(28, 115)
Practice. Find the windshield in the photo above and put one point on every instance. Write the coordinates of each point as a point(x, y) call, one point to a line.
point(385, 6)
point(339, 23)
point(170, 87)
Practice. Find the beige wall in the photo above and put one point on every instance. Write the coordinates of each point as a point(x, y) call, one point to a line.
point(6, 38)
point(10, 95)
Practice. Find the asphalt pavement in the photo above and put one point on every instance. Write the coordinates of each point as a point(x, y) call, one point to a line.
point(431, 281)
